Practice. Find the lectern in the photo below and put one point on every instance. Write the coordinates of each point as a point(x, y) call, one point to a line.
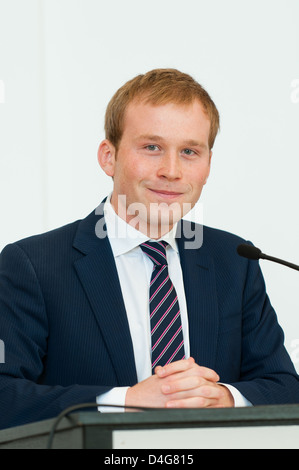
point(265, 427)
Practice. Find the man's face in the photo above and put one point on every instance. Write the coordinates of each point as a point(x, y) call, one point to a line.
point(162, 164)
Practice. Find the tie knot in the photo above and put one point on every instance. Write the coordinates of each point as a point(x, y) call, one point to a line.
point(156, 251)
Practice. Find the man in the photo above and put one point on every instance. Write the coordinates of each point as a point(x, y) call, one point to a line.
point(77, 304)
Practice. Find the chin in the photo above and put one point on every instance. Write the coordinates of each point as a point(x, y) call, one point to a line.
point(165, 217)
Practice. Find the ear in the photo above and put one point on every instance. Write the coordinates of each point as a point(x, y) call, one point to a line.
point(106, 157)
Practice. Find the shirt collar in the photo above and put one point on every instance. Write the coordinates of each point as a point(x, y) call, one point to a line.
point(124, 238)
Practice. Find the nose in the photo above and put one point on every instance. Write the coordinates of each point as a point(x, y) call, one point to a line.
point(170, 166)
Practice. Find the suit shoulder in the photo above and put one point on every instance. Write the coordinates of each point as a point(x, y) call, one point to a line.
point(216, 244)
point(57, 237)
point(222, 246)
point(215, 235)
point(211, 235)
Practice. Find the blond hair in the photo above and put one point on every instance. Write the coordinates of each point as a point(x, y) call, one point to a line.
point(158, 87)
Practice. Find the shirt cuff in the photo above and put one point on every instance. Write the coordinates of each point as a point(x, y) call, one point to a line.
point(115, 396)
point(240, 400)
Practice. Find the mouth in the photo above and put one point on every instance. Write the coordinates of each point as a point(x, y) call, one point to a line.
point(166, 194)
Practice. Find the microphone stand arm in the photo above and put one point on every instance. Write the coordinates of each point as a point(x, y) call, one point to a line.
point(280, 261)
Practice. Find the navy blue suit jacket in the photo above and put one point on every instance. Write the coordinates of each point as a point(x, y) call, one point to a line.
point(66, 334)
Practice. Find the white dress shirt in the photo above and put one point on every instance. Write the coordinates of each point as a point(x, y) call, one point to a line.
point(134, 270)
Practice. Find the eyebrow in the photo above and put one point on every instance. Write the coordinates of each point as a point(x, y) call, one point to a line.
point(150, 137)
point(157, 138)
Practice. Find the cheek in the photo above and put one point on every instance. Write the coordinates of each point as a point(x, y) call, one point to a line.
point(135, 171)
point(198, 178)
point(128, 174)
point(203, 173)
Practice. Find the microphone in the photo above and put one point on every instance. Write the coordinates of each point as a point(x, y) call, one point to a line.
point(251, 252)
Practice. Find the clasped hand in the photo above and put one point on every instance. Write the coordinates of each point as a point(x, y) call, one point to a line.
point(180, 384)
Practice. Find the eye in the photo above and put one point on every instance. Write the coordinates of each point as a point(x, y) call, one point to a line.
point(152, 147)
point(189, 152)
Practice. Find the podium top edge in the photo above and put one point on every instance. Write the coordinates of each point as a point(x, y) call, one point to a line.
point(255, 415)
point(268, 415)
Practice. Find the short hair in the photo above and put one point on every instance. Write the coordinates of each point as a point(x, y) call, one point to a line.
point(158, 87)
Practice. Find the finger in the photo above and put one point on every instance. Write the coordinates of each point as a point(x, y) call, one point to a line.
point(183, 384)
point(208, 374)
point(174, 367)
point(207, 390)
point(193, 402)
point(204, 397)
point(187, 365)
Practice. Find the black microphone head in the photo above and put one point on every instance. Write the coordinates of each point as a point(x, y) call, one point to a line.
point(249, 251)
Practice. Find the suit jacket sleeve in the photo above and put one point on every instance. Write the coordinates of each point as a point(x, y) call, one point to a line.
point(24, 330)
point(267, 375)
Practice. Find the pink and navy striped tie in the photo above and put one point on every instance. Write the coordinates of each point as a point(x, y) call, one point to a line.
point(165, 318)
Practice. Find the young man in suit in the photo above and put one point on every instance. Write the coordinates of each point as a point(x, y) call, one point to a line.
point(76, 305)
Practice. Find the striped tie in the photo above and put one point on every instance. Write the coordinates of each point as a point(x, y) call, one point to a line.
point(165, 318)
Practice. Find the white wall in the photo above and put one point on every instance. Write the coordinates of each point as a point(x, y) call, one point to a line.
point(61, 61)
point(22, 195)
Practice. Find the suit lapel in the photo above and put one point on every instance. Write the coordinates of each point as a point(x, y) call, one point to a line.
point(201, 299)
point(99, 279)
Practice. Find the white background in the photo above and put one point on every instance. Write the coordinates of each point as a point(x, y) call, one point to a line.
point(60, 63)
